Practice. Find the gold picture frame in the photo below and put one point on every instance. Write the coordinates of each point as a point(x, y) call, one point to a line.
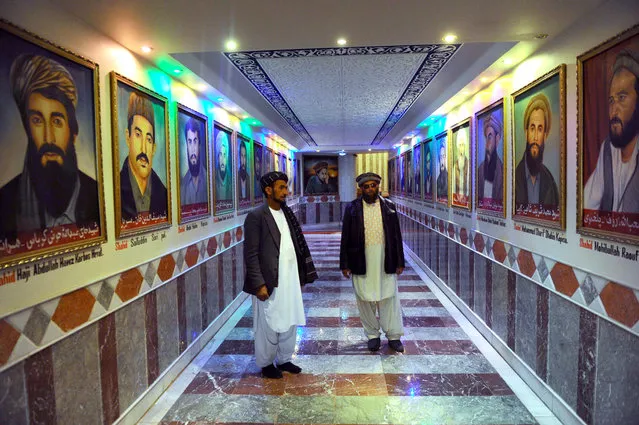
point(551, 212)
point(24, 237)
point(460, 200)
point(439, 188)
point(593, 67)
point(246, 203)
point(128, 221)
point(497, 118)
point(225, 204)
point(427, 152)
point(185, 120)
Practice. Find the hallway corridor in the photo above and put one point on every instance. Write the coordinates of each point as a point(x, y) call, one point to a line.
point(448, 374)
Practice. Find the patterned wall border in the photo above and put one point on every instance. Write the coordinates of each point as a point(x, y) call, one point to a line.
point(608, 299)
point(24, 333)
point(437, 55)
point(319, 199)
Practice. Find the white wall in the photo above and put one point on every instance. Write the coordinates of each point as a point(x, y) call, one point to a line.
point(605, 22)
point(52, 23)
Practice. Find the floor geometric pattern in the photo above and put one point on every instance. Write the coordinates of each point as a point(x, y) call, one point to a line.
point(448, 373)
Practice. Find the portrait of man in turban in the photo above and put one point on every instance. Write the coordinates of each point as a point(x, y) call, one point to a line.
point(193, 165)
point(490, 173)
point(141, 189)
point(51, 190)
point(319, 181)
point(223, 155)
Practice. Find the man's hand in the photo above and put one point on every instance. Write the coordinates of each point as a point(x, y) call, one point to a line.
point(346, 273)
point(400, 270)
point(262, 293)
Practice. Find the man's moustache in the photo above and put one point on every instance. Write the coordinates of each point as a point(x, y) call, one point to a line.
point(142, 156)
point(50, 148)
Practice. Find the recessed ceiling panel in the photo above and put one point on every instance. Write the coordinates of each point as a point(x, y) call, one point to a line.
point(345, 96)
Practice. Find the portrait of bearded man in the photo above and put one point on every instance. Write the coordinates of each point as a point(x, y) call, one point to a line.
point(51, 190)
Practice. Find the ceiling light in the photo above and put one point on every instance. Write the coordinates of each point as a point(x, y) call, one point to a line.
point(341, 41)
point(541, 36)
point(508, 61)
point(231, 45)
point(202, 87)
point(177, 71)
point(220, 99)
point(342, 154)
point(147, 49)
point(369, 149)
point(484, 79)
point(465, 92)
point(317, 150)
point(450, 38)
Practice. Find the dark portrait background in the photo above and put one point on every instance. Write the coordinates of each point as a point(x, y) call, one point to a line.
point(13, 138)
point(183, 156)
point(426, 148)
point(333, 172)
point(597, 72)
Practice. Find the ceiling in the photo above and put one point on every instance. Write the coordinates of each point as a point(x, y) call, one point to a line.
point(290, 75)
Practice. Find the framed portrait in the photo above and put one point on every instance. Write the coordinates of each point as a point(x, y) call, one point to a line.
point(268, 163)
point(192, 150)
point(410, 173)
point(276, 162)
point(397, 178)
point(320, 175)
point(608, 149)
point(289, 173)
point(258, 166)
point(283, 161)
point(441, 146)
point(296, 190)
point(402, 175)
point(243, 172)
point(223, 166)
point(417, 173)
point(391, 176)
point(460, 180)
point(51, 187)
point(490, 157)
point(428, 168)
point(539, 151)
point(141, 174)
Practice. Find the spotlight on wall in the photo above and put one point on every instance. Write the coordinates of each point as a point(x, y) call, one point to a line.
point(231, 45)
point(147, 49)
point(341, 41)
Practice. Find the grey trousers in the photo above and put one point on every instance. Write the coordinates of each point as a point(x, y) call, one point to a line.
point(390, 317)
point(271, 345)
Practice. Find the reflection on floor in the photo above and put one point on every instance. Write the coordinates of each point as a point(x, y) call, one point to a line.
point(447, 375)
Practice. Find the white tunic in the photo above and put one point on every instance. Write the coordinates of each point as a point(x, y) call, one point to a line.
point(284, 308)
point(376, 284)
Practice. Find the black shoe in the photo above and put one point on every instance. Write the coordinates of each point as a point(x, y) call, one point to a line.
point(271, 371)
point(374, 344)
point(396, 345)
point(289, 367)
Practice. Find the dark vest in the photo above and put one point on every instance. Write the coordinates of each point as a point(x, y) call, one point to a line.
point(630, 197)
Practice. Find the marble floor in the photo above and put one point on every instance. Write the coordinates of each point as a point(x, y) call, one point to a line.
point(449, 374)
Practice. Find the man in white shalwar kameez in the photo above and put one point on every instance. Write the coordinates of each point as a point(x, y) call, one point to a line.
point(274, 247)
point(372, 252)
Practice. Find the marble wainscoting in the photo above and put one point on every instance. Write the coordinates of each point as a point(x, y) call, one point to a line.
point(572, 335)
point(97, 374)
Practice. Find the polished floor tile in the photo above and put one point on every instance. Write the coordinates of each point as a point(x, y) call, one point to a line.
point(443, 376)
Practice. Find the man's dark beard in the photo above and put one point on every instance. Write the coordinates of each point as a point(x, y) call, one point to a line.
point(54, 183)
point(490, 164)
point(534, 165)
point(242, 173)
point(222, 174)
point(194, 168)
point(628, 131)
point(370, 199)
